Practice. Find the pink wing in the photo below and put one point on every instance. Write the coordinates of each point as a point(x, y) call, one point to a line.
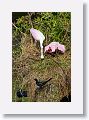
point(54, 46)
point(61, 48)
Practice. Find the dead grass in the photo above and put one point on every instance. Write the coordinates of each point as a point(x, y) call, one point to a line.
point(29, 66)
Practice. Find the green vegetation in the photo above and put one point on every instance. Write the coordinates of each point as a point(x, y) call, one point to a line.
point(27, 65)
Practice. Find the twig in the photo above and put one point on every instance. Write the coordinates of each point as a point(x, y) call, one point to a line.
point(18, 29)
point(30, 21)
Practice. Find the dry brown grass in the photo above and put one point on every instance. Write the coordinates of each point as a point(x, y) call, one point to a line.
point(29, 66)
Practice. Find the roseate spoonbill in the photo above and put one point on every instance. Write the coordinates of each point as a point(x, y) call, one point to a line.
point(41, 83)
point(53, 46)
point(38, 36)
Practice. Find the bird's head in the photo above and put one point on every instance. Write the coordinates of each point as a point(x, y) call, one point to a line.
point(35, 79)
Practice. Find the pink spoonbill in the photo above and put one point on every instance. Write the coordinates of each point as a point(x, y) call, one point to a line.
point(38, 36)
point(53, 46)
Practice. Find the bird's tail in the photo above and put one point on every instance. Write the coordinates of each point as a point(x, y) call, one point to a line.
point(48, 80)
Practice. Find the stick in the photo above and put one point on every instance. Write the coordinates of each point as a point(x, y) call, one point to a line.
point(30, 21)
point(18, 29)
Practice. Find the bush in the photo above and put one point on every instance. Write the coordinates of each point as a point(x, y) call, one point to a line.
point(56, 26)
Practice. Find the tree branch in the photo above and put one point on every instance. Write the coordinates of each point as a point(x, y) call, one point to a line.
point(18, 29)
point(30, 21)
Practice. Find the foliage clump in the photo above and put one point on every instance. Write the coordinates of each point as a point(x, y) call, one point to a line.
point(56, 26)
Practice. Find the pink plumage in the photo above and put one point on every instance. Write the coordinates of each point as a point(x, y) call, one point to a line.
point(54, 46)
point(37, 35)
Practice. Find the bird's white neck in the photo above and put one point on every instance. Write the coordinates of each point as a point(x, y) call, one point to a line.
point(41, 46)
